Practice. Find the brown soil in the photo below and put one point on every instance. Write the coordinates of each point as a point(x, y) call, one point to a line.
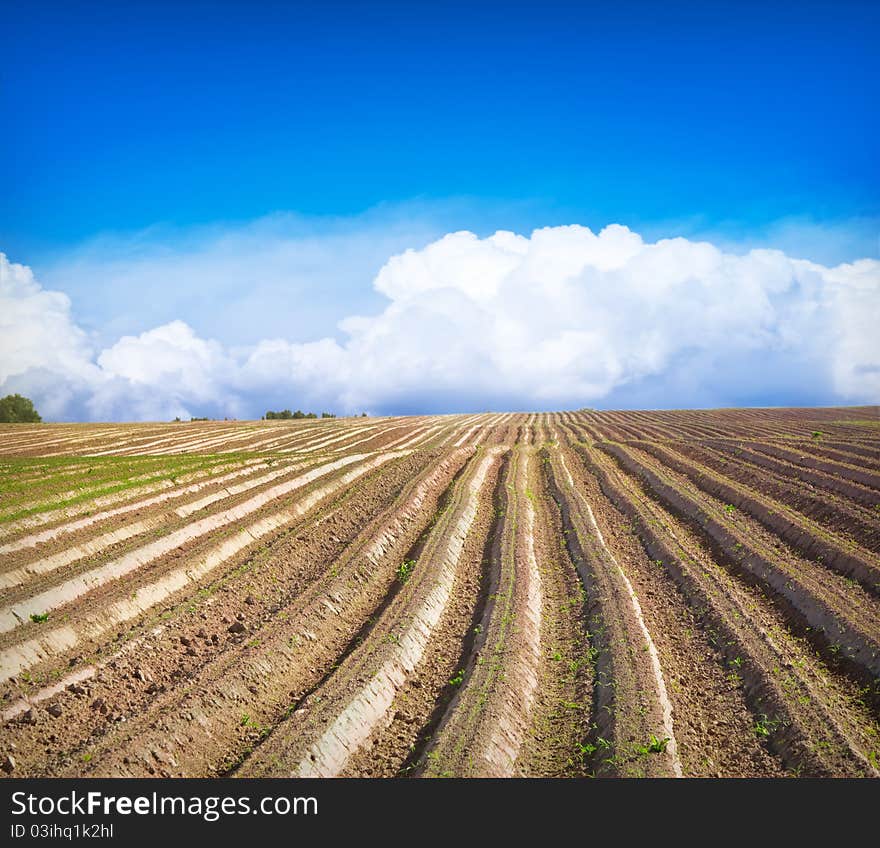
point(557, 595)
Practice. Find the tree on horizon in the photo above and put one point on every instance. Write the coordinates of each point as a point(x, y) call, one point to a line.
point(16, 409)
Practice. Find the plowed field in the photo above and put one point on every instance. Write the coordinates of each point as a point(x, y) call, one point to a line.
point(680, 593)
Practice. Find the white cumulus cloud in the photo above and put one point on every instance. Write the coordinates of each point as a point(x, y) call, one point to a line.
point(171, 356)
point(36, 327)
point(562, 318)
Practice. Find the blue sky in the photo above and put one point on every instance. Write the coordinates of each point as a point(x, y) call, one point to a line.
point(629, 112)
point(141, 138)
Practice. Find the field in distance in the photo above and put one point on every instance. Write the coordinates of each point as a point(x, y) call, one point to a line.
point(678, 593)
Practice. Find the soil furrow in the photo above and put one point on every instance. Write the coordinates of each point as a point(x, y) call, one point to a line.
point(836, 469)
point(628, 709)
point(841, 615)
point(196, 727)
point(321, 736)
point(60, 639)
point(590, 593)
point(490, 720)
point(35, 539)
point(814, 722)
point(838, 514)
point(807, 539)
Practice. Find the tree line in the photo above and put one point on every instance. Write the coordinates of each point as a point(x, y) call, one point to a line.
point(15, 409)
point(286, 414)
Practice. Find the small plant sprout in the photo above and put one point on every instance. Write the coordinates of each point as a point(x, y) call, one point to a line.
point(729, 509)
point(584, 748)
point(405, 569)
point(457, 679)
point(764, 726)
point(39, 617)
point(655, 746)
point(658, 746)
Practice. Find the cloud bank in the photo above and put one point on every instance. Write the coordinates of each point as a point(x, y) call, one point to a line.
point(563, 318)
point(228, 280)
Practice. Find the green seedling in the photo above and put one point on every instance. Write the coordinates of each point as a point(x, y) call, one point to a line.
point(405, 569)
point(658, 746)
point(585, 749)
point(39, 617)
point(457, 680)
point(764, 726)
